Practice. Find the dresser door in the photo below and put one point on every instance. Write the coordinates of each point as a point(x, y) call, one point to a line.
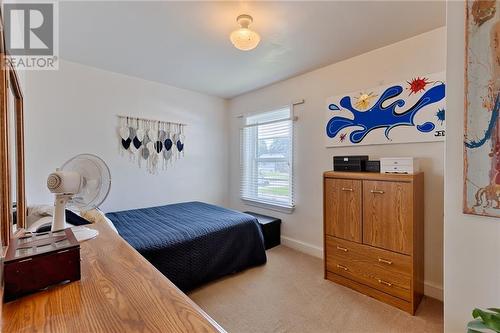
point(343, 208)
point(387, 215)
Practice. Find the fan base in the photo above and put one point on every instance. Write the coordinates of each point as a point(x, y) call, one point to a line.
point(83, 233)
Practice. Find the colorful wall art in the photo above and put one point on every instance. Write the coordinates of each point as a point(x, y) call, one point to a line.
point(410, 111)
point(482, 103)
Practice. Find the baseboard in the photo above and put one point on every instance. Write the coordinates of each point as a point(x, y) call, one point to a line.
point(312, 250)
point(430, 289)
point(433, 290)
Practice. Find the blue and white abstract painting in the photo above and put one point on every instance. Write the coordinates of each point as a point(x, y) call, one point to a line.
point(410, 111)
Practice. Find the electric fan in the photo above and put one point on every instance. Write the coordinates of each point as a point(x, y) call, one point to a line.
point(83, 182)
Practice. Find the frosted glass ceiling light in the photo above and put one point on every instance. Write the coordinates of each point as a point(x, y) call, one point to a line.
point(244, 39)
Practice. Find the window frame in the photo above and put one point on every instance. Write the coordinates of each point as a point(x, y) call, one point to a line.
point(254, 201)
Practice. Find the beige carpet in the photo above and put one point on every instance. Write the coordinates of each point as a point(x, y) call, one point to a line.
point(289, 294)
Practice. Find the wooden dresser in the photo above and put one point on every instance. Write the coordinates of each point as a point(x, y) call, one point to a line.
point(119, 291)
point(374, 235)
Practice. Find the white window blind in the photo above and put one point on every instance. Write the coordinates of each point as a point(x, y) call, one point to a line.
point(267, 158)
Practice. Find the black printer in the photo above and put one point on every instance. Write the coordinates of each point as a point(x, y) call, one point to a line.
point(350, 163)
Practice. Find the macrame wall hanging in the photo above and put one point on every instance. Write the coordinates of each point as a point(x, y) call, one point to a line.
point(152, 143)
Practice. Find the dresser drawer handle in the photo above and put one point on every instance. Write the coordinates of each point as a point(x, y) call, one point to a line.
point(377, 191)
point(342, 248)
point(385, 261)
point(347, 189)
point(342, 267)
point(385, 282)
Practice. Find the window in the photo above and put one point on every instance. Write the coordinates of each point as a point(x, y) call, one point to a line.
point(267, 158)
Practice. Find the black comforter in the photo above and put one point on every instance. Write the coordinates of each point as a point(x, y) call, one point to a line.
point(192, 243)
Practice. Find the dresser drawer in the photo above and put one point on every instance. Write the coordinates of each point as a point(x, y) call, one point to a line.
point(383, 270)
point(383, 259)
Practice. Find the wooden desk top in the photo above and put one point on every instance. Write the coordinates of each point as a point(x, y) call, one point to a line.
point(119, 291)
point(373, 176)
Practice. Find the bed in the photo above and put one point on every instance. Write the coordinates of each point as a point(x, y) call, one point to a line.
point(192, 243)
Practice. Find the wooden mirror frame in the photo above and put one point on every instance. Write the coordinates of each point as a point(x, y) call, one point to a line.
point(9, 79)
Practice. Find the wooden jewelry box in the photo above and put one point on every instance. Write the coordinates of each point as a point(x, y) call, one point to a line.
point(37, 261)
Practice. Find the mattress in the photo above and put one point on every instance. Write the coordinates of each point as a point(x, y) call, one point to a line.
point(192, 243)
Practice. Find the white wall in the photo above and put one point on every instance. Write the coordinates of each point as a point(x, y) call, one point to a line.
point(73, 110)
point(303, 229)
point(472, 243)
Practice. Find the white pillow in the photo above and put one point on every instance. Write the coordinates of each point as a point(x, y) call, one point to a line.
point(37, 212)
point(47, 220)
point(42, 210)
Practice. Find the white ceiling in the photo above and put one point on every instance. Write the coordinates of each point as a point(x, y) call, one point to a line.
point(186, 44)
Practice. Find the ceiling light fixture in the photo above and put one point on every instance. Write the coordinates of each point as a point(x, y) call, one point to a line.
point(244, 39)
